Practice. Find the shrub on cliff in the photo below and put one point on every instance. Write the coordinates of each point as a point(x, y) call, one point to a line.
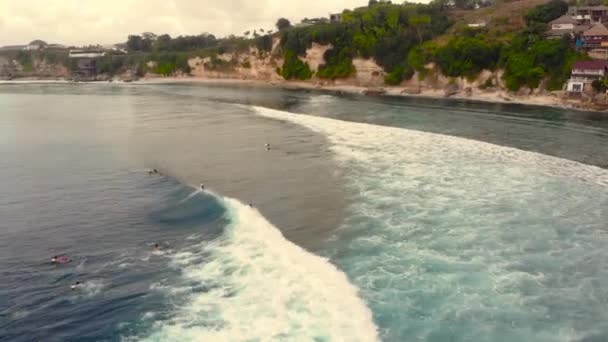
point(467, 56)
point(294, 68)
point(400, 73)
point(339, 63)
point(528, 59)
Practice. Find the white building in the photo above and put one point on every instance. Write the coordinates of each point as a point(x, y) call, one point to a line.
point(480, 23)
point(87, 53)
point(35, 45)
point(584, 73)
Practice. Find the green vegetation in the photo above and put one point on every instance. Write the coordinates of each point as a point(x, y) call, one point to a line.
point(294, 68)
point(283, 24)
point(383, 31)
point(25, 60)
point(264, 43)
point(547, 12)
point(599, 86)
point(527, 58)
point(149, 42)
point(467, 57)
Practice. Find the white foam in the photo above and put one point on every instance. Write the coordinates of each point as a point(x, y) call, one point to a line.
point(363, 142)
point(88, 289)
point(261, 287)
point(455, 237)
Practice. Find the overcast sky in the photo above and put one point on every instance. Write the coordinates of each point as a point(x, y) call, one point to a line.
point(81, 22)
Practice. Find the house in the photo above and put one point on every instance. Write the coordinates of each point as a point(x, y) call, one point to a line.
point(86, 53)
point(314, 21)
point(35, 45)
point(595, 37)
point(589, 14)
point(335, 18)
point(565, 22)
point(56, 46)
point(86, 64)
point(584, 73)
point(565, 25)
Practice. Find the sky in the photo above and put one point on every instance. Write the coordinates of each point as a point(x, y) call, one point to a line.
point(83, 22)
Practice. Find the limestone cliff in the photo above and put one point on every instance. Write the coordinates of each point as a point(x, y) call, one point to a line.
point(40, 69)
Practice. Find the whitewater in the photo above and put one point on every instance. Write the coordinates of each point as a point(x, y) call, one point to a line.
point(456, 239)
point(258, 286)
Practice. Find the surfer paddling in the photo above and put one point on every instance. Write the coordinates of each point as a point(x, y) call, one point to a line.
point(60, 259)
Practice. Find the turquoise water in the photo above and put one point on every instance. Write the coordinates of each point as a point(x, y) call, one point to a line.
point(404, 220)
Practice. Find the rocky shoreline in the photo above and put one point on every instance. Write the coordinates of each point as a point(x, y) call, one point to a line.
point(551, 99)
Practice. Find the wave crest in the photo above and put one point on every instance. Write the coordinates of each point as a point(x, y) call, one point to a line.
point(253, 284)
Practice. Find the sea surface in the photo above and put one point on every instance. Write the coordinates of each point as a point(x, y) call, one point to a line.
point(367, 219)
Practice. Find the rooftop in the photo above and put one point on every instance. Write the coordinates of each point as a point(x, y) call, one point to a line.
point(589, 8)
point(564, 19)
point(597, 30)
point(590, 65)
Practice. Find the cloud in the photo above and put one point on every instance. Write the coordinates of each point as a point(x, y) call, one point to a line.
point(110, 21)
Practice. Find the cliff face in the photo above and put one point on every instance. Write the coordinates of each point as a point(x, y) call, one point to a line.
point(250, 66)
point(10, 68)
point(262, 66)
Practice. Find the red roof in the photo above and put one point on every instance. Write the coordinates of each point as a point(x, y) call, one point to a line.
point(590, 65)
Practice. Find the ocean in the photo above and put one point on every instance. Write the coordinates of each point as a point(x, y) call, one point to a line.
point(367, 219)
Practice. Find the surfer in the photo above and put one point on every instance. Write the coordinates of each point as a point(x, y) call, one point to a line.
point(156, 247)
point(267, 147)
point(60, 259)
point(202, 186)
point(76, 285)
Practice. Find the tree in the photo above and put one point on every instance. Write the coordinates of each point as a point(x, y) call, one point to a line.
point(163, 43)
point(598, 86)
point(283, 24)
point(149, 36)
point(372, 3)
point(136, 43)
point(547, 12)
point(420, 22)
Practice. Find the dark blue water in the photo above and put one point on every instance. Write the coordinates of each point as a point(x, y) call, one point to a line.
point(445, 239)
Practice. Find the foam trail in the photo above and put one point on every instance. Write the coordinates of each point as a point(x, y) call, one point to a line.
point(258, 286)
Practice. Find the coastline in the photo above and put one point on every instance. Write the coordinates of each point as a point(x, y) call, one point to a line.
point(397, 91)
point(496, 96)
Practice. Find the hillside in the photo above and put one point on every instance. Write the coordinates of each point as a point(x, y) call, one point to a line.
point(503, 16)
point(419, 47)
